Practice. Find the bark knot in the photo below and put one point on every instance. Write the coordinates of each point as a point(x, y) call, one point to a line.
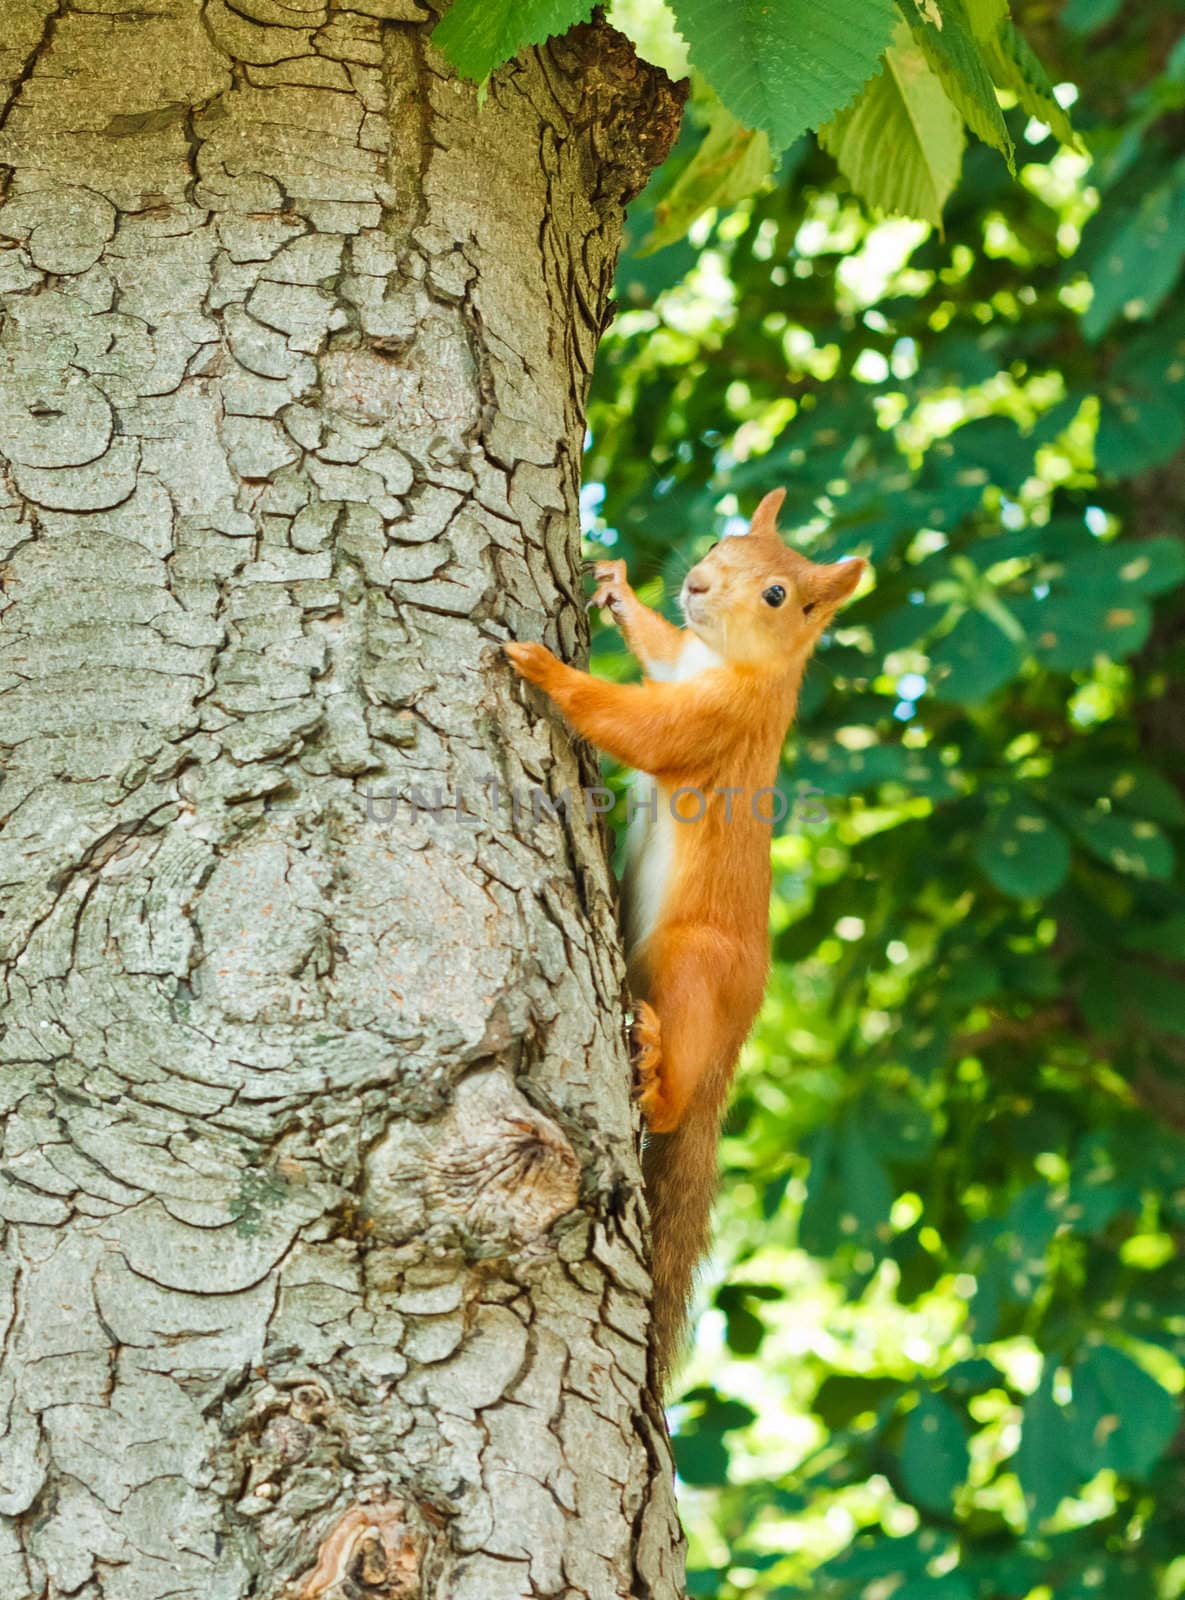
point(636, 109)
point(373, 1550)
point(492, 1163)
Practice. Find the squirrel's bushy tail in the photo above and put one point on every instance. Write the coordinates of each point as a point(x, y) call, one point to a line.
point(681, 1173)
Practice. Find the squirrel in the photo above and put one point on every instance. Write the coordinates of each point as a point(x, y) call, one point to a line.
point(704, 731)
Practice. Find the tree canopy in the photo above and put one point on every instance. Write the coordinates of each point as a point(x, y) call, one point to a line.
point(888, 85)
point(941, 1346)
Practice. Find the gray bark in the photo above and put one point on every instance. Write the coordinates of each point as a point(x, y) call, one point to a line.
point(323, 1252)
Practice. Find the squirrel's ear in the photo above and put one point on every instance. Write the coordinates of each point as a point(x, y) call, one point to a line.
point(838, 580)
point(765, 518)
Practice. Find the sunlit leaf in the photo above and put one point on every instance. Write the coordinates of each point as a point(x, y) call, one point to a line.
point(730, 163)
point(900, 145)
point(956, 56)
point(783, 66)
point(479, 35)
point(1014, 65)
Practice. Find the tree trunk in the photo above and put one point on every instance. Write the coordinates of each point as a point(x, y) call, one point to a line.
point(324, 1259)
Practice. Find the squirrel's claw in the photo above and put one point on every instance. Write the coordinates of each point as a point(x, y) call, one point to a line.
point(612, 586)
point(532, 661)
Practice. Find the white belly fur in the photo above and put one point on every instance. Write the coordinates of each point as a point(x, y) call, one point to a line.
point(650, 839)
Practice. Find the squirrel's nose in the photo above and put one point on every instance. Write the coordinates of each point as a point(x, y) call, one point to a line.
point(696, 582)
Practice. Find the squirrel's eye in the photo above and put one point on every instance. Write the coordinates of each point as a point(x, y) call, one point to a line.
point(807, 609)
point(774, 595)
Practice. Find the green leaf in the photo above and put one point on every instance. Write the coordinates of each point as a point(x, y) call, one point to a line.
point(844, 1396)
point(818, 1221)
point(1155, 999)
point(1128, 844)
point(785, 65)
point(1045, 1462)
point(941, 28)
point(900, 146)
point(1133, 253)
point(973, 659)
point(906, 1556)
point(1023, 852)
point(1086, 16)
point(905, 625)
point(1130, 784)
point(986, 17)
point(1118, 570)
point(730, 163)
point(1068, 628)
point(701, 1457)
point(867, 1192)
point(1125, 1419)
point(1142, 405)
point(479, 35)
point(744, 1330)
point(946, 1586)
point(934, 1454)
point(1136, 431)
point(1015, 65)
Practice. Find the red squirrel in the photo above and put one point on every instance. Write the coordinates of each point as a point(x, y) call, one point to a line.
point(706, 728)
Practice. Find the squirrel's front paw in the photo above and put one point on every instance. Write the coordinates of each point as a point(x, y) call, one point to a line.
point(612, 586)
point(532, 661)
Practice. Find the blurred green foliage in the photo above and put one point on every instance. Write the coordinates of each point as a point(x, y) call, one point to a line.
point(941, 1344)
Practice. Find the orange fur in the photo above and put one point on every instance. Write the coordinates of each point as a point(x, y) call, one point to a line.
point(717, 722)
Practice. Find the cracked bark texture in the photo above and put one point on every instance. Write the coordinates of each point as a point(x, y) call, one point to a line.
point(323, 1254)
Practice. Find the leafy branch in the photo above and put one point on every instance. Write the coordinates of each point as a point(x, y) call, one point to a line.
point(889, 86)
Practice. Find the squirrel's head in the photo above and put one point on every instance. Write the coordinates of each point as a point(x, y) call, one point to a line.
point(752, 599)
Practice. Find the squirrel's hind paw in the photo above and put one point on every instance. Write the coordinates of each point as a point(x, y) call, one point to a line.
point(646, 1036)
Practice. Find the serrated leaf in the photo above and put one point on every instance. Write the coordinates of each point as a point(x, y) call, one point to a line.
point(1023, 852)
point(941, 28)
point(785, 65)
point(1015, 65)
point(900, 146)
point(730, 163)
point(479, 35)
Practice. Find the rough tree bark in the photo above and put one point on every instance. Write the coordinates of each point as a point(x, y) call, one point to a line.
point(323, 1264)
